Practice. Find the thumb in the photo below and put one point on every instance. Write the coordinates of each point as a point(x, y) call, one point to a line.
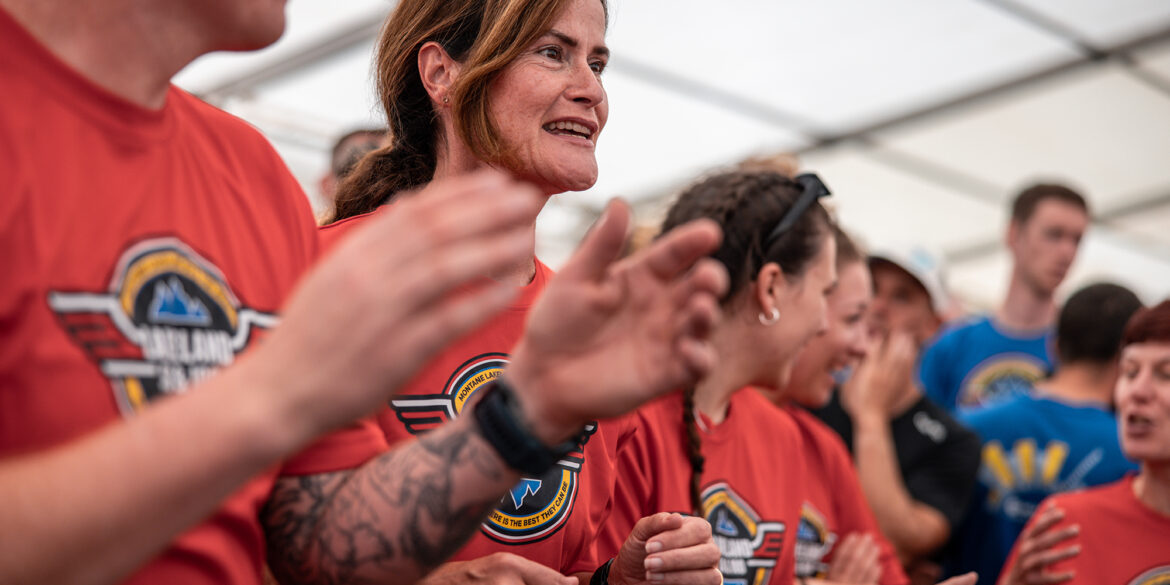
point(601, 246)
point(965, 579)
point(651, 526)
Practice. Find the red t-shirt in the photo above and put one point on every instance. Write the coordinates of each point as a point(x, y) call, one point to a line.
point(142, 250)
point(749, 483)
point(834, 505)
point(1122, 540)
point(550, 519)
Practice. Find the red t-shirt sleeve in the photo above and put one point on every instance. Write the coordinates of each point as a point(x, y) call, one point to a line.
point(632, 492)
point(342, 449)
point(592, 554)
point(853, 511)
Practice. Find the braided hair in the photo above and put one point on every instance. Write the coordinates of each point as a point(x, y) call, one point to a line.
point(747, 205)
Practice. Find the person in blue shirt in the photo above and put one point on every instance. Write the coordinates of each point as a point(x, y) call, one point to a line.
point(1060, 438)
point(988, 357)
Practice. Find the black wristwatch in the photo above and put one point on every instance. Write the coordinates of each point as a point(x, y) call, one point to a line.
point(601, 575)
point(502, 425)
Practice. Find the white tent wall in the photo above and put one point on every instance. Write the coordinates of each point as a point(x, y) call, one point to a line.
point(923, 116)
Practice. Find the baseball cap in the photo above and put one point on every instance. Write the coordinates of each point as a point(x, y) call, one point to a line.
point(923, 265)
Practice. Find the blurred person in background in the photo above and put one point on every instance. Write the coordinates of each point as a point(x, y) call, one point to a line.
point(1119, 532)
point(915, 462)
point(989, 357)
point(1061, 437)
point(514, 85)
point(346, 153)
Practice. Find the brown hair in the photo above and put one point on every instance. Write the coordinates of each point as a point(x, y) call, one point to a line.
point(747, 205)
point(1146, 325)
point(848, 251)
point(484, 36)
point(1026, 202)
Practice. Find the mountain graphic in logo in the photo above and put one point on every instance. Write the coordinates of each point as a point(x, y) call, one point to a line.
point(172, 305)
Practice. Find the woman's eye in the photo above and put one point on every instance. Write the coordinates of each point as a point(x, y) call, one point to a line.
point(597, 66)
point(553, 53)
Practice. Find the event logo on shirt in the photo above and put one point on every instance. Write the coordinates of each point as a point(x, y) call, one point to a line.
point(535, 508)
point(814, 540)
point(1158, 576)
point(168, 320)
point(1000, 376)
point(1027, 474)
point(750, 548)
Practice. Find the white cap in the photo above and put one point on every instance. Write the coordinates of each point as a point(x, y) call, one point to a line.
point(924, 266)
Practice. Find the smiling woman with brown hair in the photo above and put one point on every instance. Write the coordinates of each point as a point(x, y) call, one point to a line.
point(513, 85)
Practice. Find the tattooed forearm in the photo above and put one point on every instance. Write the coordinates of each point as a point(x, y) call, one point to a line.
point(391, 521)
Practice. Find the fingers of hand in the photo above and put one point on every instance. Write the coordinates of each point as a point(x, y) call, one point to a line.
point(678, 250)
point(696, 577)
point(450, 211)
point(510, 568)
point(429, 277)
point(1048, 578)
point(1048, 539)
point(651, 526)
point(965, 579)
point(698, 556)
point(1041, 560)
point(601, 247)
point(691, 531)
point(429, 330)
point(1048, 518)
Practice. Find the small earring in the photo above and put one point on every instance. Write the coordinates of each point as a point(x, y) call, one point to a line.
point(444, 99)
point(771, 318)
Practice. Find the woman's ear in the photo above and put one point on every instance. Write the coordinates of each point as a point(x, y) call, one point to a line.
point(438, 72)
point(769, 285)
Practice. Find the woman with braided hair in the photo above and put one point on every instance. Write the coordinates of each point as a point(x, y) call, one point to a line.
point(719, 450)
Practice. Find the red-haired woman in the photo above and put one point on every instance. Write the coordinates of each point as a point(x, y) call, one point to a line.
point(1118, 533)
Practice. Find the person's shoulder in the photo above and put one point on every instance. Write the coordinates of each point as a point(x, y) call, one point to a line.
point(219, 129)
point(820, 437)
point(658, 411)
point(1107, 498)
point(1012, 413)
point(756, 406)
point(963, 328)
point(956, 433)
point(815, 428)
point(331, 233)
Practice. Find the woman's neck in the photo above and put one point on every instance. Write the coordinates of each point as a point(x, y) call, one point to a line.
point(713, 393)
point(448, 165)
point(1152, 487)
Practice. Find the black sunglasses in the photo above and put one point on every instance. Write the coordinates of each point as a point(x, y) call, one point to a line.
point(811, 189)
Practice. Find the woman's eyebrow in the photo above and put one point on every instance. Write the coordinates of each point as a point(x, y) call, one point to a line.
point(573, 44)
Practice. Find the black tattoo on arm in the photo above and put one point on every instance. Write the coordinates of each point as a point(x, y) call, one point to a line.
point(391, 521)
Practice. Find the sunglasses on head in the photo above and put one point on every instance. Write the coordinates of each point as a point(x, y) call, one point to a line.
point(811, 189)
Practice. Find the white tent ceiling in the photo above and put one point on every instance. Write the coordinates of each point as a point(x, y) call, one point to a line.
point(923, 116)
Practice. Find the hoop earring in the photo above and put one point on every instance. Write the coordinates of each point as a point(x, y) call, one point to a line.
point(770, 319)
